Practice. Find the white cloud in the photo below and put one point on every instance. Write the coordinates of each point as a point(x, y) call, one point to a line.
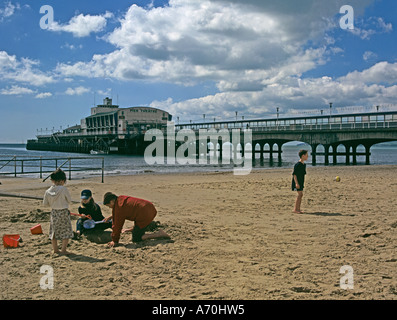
point(376, 85)
point(43, 95)
point(72, 46)
point(16, 90)
point(24, 70)
point(373, 26)
point(105, 93)
point(7, 61)
point(385, 27)
point(369, 55)
point(8, 10)
point(187, 42)
point(78, 91)
point(256, 53)
point(82, 25)
point(382, 72)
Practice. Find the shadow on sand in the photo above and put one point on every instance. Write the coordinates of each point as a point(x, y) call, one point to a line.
point(99, 237)
point(104, 237)
point(324, 214)
point(148, 243)
point(83, 258)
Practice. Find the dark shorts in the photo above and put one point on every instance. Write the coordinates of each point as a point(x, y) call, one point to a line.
point(137, 233)
point(293, 185)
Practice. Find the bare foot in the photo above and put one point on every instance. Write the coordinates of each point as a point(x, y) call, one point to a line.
point(65, 253)
point(161, 233)
point(297, 211)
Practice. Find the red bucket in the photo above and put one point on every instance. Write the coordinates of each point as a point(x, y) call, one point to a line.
point(11, 240)
point(36, 229)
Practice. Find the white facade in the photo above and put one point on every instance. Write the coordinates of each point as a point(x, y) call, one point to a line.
point(110, 119)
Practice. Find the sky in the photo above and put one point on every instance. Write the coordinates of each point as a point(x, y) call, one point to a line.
point(193, 58)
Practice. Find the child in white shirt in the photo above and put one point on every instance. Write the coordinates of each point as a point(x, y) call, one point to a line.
point(58, 198)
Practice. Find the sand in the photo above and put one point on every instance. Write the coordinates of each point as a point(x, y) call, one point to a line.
point(232, 237)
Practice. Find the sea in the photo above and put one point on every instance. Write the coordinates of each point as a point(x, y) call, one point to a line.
point(381, 154)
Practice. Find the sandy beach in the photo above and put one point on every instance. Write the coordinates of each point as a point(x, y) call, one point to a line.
point(232, 237)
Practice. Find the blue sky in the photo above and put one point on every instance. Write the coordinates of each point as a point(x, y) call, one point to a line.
point(212, 57)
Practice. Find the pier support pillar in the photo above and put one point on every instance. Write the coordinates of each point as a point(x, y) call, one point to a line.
point(347, 148)
point(354, 154)
point(221, 150)
point(197, 150)
point(314, 154)
point(334, 153)
point(279, 151)
point(367, 154)
point(326, 154)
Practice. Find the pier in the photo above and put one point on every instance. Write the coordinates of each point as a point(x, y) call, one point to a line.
point(330, 136)
point(326, 134)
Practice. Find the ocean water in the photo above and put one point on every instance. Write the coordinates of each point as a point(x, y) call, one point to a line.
point(381, 154)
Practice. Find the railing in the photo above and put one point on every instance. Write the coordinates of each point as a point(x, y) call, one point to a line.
point(335, 126)
point(91, 133)
point(376, 120)
point(23, 165)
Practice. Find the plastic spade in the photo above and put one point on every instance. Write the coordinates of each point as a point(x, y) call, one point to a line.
point(90, 224)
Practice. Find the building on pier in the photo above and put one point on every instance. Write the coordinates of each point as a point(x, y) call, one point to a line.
point(109, 128)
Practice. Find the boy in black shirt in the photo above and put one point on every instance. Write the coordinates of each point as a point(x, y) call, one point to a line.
point(90, 210)
point(298, 179)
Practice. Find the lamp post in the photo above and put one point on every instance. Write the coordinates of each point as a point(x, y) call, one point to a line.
point(330, 113)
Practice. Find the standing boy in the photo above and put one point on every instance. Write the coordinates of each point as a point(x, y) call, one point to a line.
point(298, 179)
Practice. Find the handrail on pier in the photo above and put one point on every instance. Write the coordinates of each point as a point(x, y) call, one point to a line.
point(353, 121)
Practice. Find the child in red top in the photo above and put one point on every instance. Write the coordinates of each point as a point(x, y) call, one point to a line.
point(142, 212)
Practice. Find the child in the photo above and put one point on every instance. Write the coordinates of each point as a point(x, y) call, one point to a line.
point(142, 212)
point(298, 179)
point(90, 210)
point(58, 198)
